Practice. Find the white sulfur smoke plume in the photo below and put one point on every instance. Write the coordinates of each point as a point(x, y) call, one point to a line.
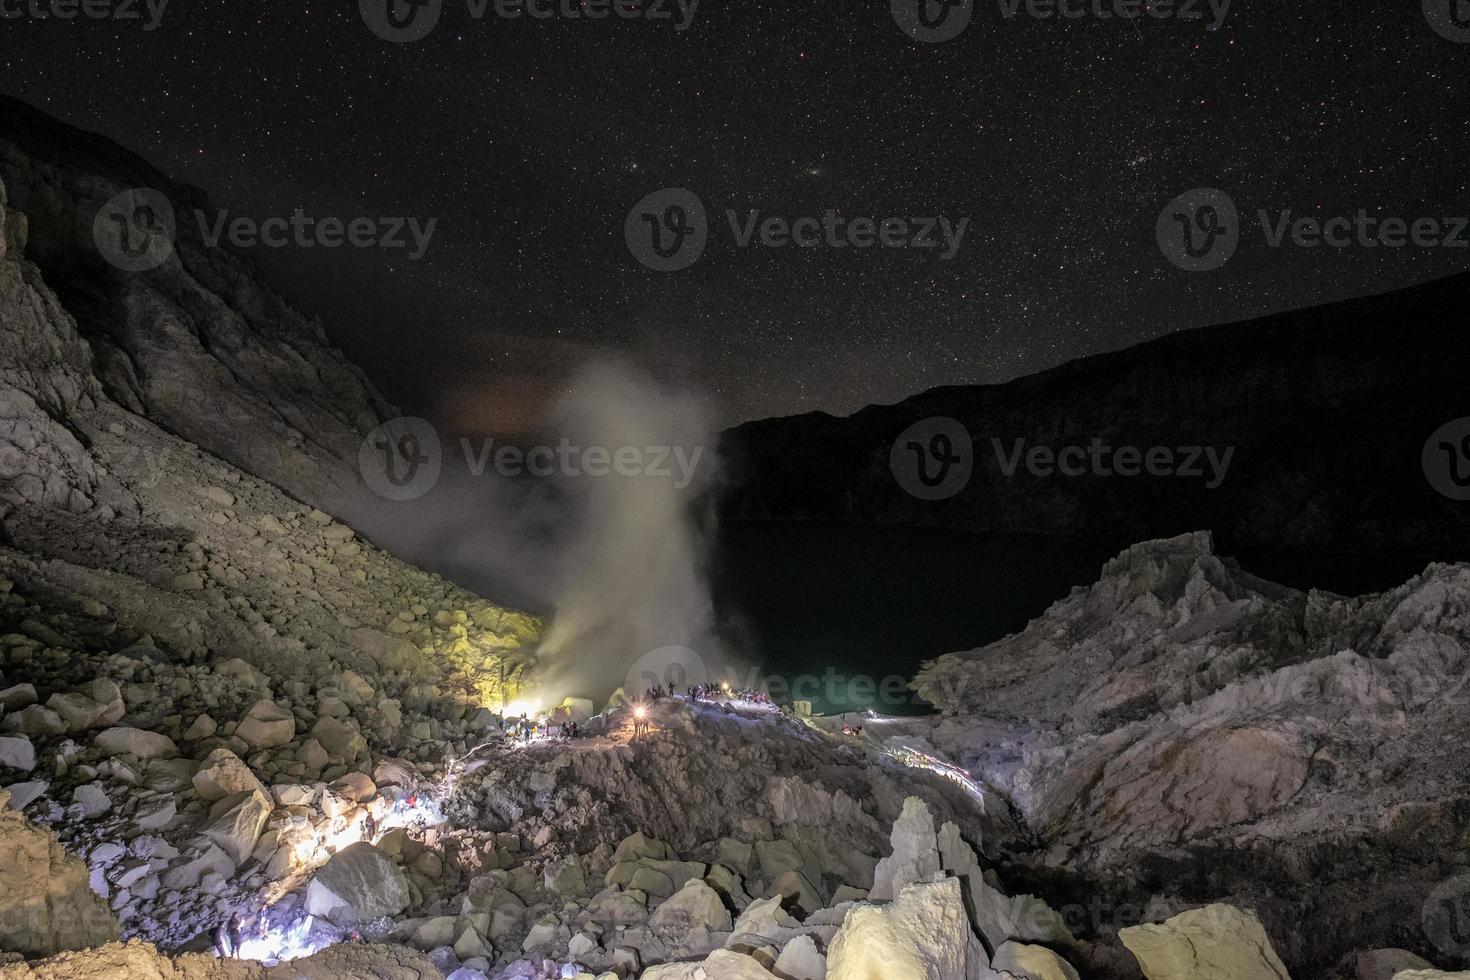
point(634, 577)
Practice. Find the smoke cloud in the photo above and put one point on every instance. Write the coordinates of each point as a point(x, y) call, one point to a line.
point(635, 574)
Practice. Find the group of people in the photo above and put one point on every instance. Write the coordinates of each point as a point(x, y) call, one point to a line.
point(525, 728)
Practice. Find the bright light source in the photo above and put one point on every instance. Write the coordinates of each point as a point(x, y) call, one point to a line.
point(640, 712)
point(517, 708)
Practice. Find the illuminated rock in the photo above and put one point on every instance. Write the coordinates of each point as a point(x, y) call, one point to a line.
point(357, 884)
point(1217, 942)
point(923, 934)
point(1027, 962)
point(800, 960)
point(221, 774)
point(915, 854)
point(47, 904)
point(723, 964)
point(235, 823)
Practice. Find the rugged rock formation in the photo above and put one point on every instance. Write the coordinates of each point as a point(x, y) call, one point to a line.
point(47, 904)
point(199, 345)
point(1182, 732)
point(1327, 409)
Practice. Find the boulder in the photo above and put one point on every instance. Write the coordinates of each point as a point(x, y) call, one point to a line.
point(722, 964)
point(923, 934)
point(202, 727)
point(1028, 962)
point(235, 823)
point(200, 861)
point(359, 883)
point(801, 960)
point(135, 742)
point(98, 703)
point(1385, 964)
point(695, 906)
point(16, 752)
point(640, 846)
point(915, 854)
point(18, 696)
point(34, 720)
point(339, 738)
point(222, 774)
point(565, 877)
point(354, 786)
point(47, 904)
point(1217, 942)
point(265, 725)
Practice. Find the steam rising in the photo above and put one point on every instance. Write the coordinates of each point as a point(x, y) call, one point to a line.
point(635, 572)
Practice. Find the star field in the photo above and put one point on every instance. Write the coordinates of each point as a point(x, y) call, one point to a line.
point(529, 141)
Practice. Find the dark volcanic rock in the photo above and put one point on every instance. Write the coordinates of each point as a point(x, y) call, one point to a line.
point(199, 345)
point(1328, 410)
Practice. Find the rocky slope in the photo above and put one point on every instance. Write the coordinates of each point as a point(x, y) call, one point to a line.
point(1183, 732)
point(1327, 411)
point(239, 741)
point(200, 345)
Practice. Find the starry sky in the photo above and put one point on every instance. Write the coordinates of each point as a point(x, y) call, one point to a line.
point(530, 140)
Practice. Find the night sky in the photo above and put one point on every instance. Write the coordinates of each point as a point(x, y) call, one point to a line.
point(530, 140)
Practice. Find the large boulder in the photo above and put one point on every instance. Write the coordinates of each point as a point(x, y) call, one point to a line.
point(923, 934)
point(222, 774)
point(47, 904)
point(135, 742)
point(235, 823)
point(96, 703)
point(359, 883)
point(695, 906)
point(1028, 962)
point(915, 854)
point(1217, 942)
point(266, 725)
